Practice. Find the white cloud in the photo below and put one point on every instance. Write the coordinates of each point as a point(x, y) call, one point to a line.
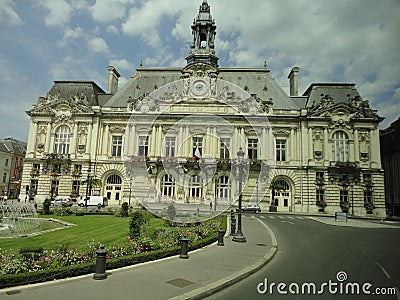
point(71, 34)
point(98, 44)
point(59, 12)
point(104, 11)
point(8, 15)
point(121, 64)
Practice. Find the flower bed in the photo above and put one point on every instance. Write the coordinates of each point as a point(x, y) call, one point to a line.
point(29, 266)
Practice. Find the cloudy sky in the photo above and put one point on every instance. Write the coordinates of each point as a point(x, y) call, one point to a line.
point(41, 41)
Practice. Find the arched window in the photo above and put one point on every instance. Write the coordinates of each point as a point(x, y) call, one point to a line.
point(113, 188)
point(282, 196)
point(62, 139)
point(168, 186)
point(223, 191)
point(340, 146)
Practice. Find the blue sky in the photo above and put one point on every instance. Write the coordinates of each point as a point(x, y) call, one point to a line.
point(331, 41)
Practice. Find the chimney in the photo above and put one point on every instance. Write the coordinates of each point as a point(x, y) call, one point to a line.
point(294, 81)
point(113, 76)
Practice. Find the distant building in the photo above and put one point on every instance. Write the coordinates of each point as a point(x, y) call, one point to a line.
point(12, 155)
point(172, 135)
point(390, 150)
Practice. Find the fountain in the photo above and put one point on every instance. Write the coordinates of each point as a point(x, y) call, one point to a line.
point(18, 220)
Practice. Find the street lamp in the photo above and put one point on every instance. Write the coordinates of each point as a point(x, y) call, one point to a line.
point(87, 184)
point(239, 237)
point(130, 191)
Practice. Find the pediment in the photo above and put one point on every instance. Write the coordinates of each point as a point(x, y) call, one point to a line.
point(60, 108)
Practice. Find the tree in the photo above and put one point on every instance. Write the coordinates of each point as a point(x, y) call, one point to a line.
point(274, 186)
point(91, 182)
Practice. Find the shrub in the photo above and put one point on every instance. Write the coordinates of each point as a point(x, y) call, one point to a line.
point(124, 210)
point(139, 218)
point(171, 212)
point(46, 206)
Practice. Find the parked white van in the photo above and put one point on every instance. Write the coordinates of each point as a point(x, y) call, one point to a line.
point(98, 201)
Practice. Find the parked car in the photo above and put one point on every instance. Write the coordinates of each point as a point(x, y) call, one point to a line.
point(98, 201)
point(61, 201)
point(252, 208)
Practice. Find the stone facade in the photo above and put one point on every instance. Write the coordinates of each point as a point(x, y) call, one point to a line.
point(172, 135)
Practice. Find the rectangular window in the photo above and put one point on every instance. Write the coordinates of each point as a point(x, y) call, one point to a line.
point(6, 162)
point(197, 146)
point(54, 187)
point(252, 146)
point(320, 196)
point(280, 150)
point(36, 166)
point(143, 145)
point(34, 185)
point(116, 149)
point(4, 177)
point(367, 196)
point(57, 168)
point(224, 147)
point(75, 186)
point(344, 196)
point(169, 146)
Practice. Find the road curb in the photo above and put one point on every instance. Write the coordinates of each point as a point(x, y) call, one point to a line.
point(225, 282)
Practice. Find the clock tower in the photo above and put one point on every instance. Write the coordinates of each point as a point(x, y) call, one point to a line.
point(203, 31)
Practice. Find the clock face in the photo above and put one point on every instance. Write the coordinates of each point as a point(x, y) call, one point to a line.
point(199, 87)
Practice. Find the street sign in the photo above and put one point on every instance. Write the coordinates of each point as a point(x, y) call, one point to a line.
point(340, 216)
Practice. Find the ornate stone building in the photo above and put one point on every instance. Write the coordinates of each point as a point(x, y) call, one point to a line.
point(172, 135)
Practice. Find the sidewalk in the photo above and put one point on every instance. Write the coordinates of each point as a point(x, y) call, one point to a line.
point(360, 223)
point(206, 271)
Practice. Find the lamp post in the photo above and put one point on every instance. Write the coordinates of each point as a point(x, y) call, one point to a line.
point(87, 184)
point(130, 191)
point(239, 237)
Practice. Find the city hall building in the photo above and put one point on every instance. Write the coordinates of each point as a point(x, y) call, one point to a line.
point(173, 135)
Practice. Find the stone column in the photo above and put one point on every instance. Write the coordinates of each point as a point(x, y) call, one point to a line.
point(310, 144)
point(356, 146)
point(89, 138)
point(152, 142)
point(32, 137)
point(371, 148)
point(48, 137)
point(106, 140)
point(326, 146)
point(292, 145)
point(264, 143)
point(215, 144)
point(271, 141)
point(179, 142)
point(159, 142)
point(72, 150)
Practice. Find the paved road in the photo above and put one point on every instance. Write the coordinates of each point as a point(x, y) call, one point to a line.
point(310, 251)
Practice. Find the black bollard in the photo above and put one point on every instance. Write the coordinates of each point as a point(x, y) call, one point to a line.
point(184, 248)
point(100, 271)
point(233, 225)
point(221, 234)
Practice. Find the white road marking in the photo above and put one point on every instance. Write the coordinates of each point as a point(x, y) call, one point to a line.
point(301, 218)
point(280, 217)
point(271, 217)
point(262, 217)
point(287, 222)
point(290, 217)
point(383, 270)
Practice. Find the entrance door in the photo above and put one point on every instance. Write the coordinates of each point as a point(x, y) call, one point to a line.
point(114, 189)
point(282, 197)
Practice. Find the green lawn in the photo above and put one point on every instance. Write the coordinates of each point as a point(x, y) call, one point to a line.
point(103, 229)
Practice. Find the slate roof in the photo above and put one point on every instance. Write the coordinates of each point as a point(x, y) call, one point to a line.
point(65, 89)
point(339, 92)
point(11, 145)
point(253, 81)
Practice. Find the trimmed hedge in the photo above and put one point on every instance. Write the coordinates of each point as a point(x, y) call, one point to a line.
point(114, 263)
